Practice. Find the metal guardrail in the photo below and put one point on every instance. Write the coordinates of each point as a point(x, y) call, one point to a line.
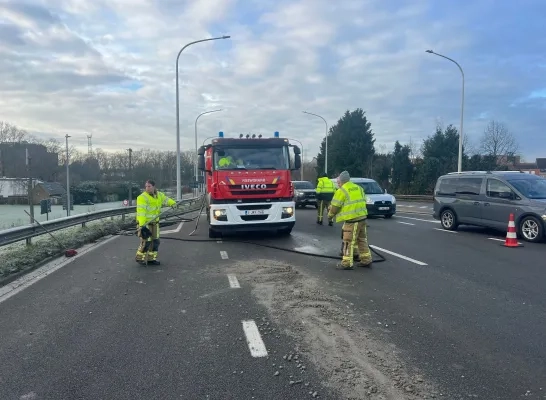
point(414, 197)
point(19, 233)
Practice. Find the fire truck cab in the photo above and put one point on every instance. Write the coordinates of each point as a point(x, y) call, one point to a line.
point(248, 183)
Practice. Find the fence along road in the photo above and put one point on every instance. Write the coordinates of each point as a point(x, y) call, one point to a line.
point(19, 233)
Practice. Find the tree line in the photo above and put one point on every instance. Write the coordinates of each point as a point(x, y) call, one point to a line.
point(410, 168)
point(406, 169)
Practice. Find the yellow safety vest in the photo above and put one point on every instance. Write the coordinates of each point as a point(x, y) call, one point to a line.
point(352, 201)
point(325, 185)
point(149, 207)
point(225, 161)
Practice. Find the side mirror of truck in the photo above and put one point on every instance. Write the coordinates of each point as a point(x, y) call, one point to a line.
point(297, 150)
point(201, 158)
point(297, 161)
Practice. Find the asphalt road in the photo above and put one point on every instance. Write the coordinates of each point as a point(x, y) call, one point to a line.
point(447, 315)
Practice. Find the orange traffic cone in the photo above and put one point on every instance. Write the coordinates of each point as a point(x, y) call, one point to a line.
point(511, 237)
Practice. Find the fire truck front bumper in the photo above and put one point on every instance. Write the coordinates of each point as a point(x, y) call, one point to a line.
point(252, 217)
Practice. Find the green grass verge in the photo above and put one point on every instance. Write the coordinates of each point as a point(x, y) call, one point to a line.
point(18, 257)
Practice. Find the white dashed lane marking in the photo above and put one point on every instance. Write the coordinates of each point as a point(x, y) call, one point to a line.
point(405, 223)
point(233, 282)
point(254, 340)
point(224, 255)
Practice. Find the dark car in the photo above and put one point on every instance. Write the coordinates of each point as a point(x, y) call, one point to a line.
point(304, 194)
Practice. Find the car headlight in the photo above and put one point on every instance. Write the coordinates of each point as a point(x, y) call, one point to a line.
point(369, 200)
point(299, 194)
point(219, 212)
point(393, 200)
point(288, 210)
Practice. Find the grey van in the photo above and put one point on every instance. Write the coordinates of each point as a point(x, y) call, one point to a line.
point(487, 198)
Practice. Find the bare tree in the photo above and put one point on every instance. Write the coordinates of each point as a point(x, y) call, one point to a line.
point(415, 150)
point(497, 141)
point(9, 133)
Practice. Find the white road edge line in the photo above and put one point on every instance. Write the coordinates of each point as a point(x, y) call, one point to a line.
point(178, 228)
point(405, 223)
point(17, 286)
point(224, 255)
point(444, 230)
point(500, 240)
point(420, 219)
point(233, 282)
point(392, 253)
point(254, 340)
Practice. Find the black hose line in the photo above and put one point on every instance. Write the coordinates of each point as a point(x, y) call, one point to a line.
point(131, 233)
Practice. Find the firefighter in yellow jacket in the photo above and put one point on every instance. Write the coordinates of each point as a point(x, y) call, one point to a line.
point(349, 207)
point(148, 209)
point(325, 191)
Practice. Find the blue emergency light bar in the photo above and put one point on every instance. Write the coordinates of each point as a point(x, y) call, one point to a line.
point(276, 134)
point(220, 134)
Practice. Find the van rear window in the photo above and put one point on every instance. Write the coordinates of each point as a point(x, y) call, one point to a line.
point(461, 186)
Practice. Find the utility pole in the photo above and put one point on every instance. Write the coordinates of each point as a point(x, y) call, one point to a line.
point(68, 202)
point(130, 177)
point(29, 189)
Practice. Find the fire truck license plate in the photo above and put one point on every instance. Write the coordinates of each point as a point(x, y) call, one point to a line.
point(255, 212)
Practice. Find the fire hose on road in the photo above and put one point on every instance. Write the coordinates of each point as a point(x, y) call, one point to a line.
point(381, 258)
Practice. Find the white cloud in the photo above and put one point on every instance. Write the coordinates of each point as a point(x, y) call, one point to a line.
point(67, 66)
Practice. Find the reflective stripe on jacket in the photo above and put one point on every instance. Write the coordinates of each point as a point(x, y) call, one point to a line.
point(351, 200)
point(149, 207)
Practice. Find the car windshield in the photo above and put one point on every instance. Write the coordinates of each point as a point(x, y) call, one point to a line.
point(251, 158)
point(371, 187)
point(530, 188)
point(303, 185)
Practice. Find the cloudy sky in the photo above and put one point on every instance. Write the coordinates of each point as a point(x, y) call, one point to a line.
point(107, 68)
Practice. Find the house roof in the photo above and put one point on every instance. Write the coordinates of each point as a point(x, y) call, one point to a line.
point(53, 188)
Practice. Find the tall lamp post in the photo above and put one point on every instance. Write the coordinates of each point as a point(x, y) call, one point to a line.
point(302, 157)
point(178, 179)
point(195, 166)
point(326, 138)
point(460, 160)
point(68, 202)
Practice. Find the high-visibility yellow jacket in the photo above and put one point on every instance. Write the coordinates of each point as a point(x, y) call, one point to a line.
point(228, 161)
point(148, 207)
point(325, 185)
point(349, 203)
point(325, 189)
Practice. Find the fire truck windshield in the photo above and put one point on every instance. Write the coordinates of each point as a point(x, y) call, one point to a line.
point(251, 158)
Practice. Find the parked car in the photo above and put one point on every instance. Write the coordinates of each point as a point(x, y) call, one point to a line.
point(304, 194)
point(378, 201)
point(487, 198)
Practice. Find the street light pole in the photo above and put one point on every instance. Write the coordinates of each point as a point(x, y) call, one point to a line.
point(460, 158)
point(130, 176)
point(195, 166)
point(326, 136)
point(68, 202)
point(178, 179)
point(302, 157)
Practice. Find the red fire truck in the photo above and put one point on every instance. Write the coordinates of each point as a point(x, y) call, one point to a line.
point(249, 187)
